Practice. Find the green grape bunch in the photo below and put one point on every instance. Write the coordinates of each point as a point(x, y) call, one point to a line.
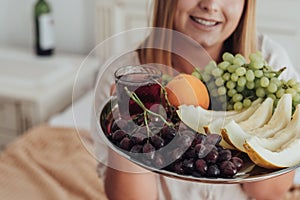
point(234, 83)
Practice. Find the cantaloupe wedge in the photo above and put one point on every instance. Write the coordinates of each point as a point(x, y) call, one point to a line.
point(210, 121)
point(245, 114)
point(287, 157)
point(279, 120)
point(260, 117)
point(283, 136)
point(216, 125)
point(197, 117)
point(235, 133)
point(194, 117)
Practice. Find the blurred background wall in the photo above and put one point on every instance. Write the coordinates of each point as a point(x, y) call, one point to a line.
point(74, 24)
point(81, 24)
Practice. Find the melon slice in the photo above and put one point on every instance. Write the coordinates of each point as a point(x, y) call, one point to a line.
point(245, 114)
point(279, 120)
point(194, 117)
point(282, 137)
point(197, 117)
point(210, 121)
point(216, 125)
point(287, 157)
point(234, 135)
point(260, 117)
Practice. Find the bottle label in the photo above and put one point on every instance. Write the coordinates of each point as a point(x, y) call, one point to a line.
point(46, 30)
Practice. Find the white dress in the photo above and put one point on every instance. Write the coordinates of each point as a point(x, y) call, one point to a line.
point(275, 55)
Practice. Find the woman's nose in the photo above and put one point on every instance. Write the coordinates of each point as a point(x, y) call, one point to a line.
point(209, 5)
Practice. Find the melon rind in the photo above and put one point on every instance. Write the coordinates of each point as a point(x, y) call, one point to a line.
point(283, 136)
point(279, 120)
point(234, 135)
point(287, 157)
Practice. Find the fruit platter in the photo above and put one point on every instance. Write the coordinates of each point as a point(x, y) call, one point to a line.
point(231, 122)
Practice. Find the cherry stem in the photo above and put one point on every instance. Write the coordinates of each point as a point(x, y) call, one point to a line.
point(137, 100)
point(164, 92)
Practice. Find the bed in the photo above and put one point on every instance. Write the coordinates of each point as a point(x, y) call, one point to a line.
point(49, 161)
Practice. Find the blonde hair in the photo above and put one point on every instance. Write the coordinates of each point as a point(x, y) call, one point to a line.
point(242, 41)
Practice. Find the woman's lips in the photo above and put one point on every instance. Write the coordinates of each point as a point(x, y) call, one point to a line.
point(208, 23)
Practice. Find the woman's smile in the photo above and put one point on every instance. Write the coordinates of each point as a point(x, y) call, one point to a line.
point(204, 21)
point(209, 22)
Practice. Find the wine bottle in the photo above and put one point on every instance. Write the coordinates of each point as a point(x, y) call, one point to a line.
point(44, 28)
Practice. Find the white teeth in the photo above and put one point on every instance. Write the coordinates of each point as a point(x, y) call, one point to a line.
point(204, 22)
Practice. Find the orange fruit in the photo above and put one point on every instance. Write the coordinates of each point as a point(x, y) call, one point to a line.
point(187, 89)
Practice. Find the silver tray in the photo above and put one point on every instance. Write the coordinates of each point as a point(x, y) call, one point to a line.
point(250, 172)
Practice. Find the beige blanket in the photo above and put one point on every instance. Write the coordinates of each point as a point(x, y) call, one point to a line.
point(49, 163)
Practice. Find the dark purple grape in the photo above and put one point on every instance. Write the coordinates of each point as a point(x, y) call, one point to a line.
point(219, 147)
point(149, 151)
point(201, 151)
point(136, 149)
point(228, 169)
point(126, 144)
point(199, 139)
point(213, 171)
point(188, 165)
point(157, 141)
point(139, 120)
point(177, 168)
point(114, 127)
point(238, 162)
point(212, 156)
point(118, 135)
point(224, 154)
point(159, 109)
point(138, 138)
point(140, 135)
point(196, 174)
point(119, 124)
point(213, 138)
point(168, 133)
point(148, 148)
point(190, 153)
point(201, 166)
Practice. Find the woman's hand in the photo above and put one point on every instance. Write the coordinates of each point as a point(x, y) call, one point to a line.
point(125, 180)
point(271, 189)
